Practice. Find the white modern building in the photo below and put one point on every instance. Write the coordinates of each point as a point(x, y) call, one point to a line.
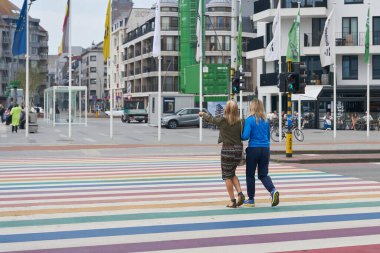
point(350, 28)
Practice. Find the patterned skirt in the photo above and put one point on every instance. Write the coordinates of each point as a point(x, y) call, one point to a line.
point(230, 158)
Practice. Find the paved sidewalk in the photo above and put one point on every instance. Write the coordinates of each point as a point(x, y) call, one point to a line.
point(326, 158)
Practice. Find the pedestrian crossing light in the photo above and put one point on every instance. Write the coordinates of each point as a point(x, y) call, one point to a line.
point(292, 82)
point(236, 82)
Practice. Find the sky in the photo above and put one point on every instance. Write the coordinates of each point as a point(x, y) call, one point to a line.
point(88, 18)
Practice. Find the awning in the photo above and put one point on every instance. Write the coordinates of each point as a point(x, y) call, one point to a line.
point(311, 93)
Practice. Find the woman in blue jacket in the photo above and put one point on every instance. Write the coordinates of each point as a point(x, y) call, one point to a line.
point(257, 130)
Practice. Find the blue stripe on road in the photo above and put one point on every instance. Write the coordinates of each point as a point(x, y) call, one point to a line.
point(184, 227)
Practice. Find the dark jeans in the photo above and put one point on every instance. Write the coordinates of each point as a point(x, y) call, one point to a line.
point(257, 157)
point(14, 128)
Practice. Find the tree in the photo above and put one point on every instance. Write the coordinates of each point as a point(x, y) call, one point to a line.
point(36, 78)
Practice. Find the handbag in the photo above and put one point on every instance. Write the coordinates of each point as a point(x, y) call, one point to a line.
point(243, 158)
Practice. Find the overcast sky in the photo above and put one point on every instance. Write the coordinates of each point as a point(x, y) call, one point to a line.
point(88, 19)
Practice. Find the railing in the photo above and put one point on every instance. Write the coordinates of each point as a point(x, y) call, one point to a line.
point(270, 79)
point(255, 44)
point(312, 39)
point(350, 39)
point(169, 28)
point(131, 73)
point(43, 44)
point(130, 56)
point(137, 53)
point(137, 71)
point(147, 50)
point(210, 27)
point(263, 5)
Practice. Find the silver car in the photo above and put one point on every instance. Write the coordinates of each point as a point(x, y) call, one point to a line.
point(183, 117)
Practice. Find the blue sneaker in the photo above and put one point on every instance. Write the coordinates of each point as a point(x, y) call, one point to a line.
point(275, 197)
point(249, 203)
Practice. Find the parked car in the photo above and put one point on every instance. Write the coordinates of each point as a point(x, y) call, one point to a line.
point(183, 117)
point(115, 113)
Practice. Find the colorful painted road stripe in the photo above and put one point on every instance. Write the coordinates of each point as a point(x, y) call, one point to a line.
point(176, 204)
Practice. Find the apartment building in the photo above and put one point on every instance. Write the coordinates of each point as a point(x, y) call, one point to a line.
point(350, 28)
point(9, 65)
point(93, 74)
point(140, 74)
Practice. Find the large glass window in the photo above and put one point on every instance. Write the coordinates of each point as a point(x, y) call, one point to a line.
point(318, 25)
point(376, 67)
point(169, 105)
point(350, 31)
point(350, 67)
point(220, 41)
point(376, 30)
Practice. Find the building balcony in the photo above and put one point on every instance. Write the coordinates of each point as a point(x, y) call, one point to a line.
point(6, 40)
point(265, 10)
point(256, 48)
point(43, 44)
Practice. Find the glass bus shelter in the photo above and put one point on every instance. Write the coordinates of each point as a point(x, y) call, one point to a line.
point(56, 104)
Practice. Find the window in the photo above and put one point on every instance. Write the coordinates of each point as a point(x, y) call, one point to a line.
point(92, 81)
point(376, 67)
point(169, 105)
point(93, 58)
point(227, 43)
point(34, 50)
point(165, 23)
point(353, 1)
point(34, 38)
point(376, 30)
point(350, 31)
point(350, 67)
point(318, 25)
point(93, 69)
point(153, 104)
point(220, 41)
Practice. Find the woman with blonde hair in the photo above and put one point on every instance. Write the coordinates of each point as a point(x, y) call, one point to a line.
point(230, 134)
point(257, 130)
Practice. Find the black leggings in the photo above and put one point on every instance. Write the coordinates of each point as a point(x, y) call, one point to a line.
point(14, 128)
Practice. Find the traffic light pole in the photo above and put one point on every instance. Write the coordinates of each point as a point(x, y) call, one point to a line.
point(289, 141)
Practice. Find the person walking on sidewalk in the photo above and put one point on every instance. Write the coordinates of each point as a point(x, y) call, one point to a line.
point(230, 135)
point(16, 113)
point(257, 130)
point(2, 112)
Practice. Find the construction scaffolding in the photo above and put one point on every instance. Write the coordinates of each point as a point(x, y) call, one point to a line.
point(56, 104)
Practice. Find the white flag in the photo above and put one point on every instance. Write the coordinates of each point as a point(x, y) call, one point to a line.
point(272, 50)
point(157, 32)
point(327, 42)
point(199, 54)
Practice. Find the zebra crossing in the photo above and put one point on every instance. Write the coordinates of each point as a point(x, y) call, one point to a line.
point(177, 204)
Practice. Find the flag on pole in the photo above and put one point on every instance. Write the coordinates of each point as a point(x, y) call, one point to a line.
point(327, 42)
point(272, 50)
point(19, 39)
point(240, 42)
point(199, 53)
point(293, 53)
point(107, 27)
point(366, 54)
point(157, 31)
point(64, 47)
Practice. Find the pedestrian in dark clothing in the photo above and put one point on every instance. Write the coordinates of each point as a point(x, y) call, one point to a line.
point(257, 130)
point(2, 112)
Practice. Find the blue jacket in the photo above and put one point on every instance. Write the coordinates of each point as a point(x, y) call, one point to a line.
point(257, 133)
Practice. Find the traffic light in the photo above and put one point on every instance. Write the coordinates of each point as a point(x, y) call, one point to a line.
point(241, 81)
point(292, 81)
point(303, 79)
point(282, 82)
point(236, 82)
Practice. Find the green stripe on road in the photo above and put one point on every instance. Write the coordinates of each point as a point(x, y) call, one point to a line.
point(173, 215)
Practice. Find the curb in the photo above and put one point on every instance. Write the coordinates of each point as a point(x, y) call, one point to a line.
point(317, 161)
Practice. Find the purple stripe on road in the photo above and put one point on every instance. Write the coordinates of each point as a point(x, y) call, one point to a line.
point(215, 242)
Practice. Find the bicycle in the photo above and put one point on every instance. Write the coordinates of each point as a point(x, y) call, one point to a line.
point(297, 133)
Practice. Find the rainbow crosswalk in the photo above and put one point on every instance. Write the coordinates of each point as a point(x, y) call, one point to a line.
point(177, 204)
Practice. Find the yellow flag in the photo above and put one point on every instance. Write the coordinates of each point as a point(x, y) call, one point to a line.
point(106, 43)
